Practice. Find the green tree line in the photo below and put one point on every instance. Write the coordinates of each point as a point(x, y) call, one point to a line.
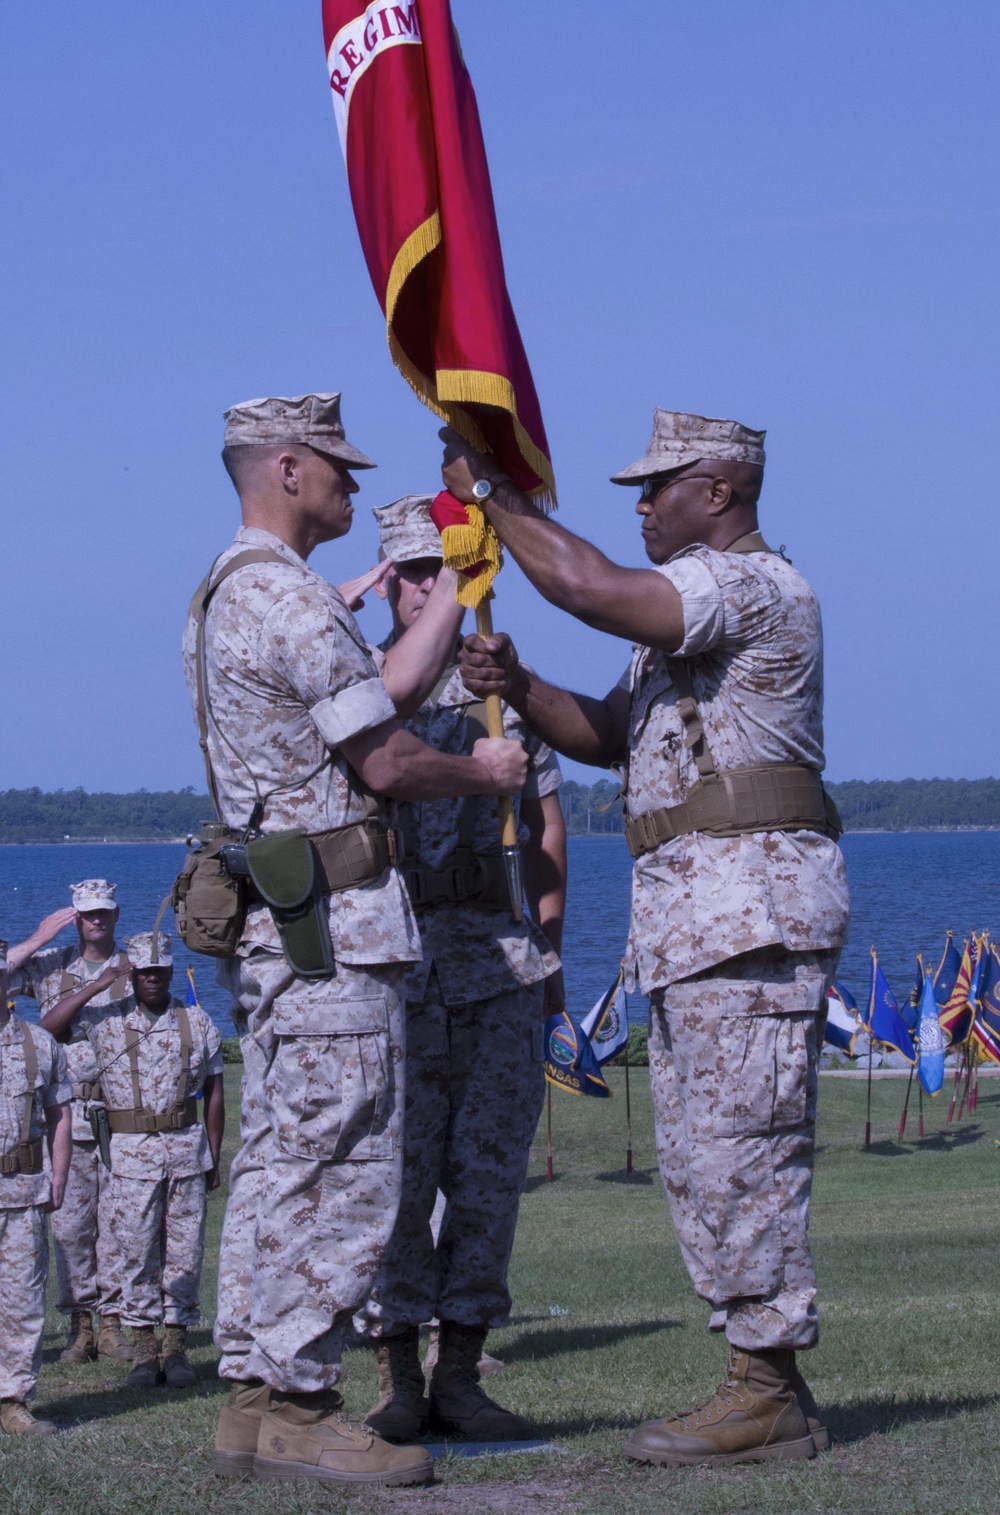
point(32, 815)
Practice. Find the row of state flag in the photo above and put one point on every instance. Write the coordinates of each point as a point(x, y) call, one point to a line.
point(954, 1007)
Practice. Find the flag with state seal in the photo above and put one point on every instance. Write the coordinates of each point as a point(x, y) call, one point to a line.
point(569, 1058)
point(606, 1025)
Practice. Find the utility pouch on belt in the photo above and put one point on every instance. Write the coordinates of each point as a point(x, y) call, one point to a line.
point(284, 873)
point(97, 1115)
point(209, 903)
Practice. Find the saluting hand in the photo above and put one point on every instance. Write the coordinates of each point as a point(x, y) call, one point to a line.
point(53, 924)
point(489, 665)
point(105, 979)
point(354, 590)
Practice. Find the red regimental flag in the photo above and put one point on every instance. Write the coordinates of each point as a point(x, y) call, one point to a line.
point(420, 185)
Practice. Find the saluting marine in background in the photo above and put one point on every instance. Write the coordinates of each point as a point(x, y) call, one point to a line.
point(474, 1013)
point(65, 979)
point(739, 904)
point(35, 1145)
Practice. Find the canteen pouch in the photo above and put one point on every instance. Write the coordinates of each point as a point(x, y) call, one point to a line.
point(98, 1117)
point(209, 904)
point(283, 870)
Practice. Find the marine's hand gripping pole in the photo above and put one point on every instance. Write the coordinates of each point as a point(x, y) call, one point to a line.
point(508, 823)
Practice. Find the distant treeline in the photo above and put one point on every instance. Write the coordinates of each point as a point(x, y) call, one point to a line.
point(73, 815)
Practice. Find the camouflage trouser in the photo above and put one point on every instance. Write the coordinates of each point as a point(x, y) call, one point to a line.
point(159, 1226)
point(733, 1058)
point(474, 1092)
point(314, 1187)
point(86, 1254)
point(24, 1269)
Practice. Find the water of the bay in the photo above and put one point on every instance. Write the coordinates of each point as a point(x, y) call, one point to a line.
point(907, 890)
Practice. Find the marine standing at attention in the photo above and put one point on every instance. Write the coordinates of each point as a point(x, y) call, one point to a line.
point(739, 903)
point(156, 1057)
point(474, 1012)
point(35, 1145)
point(93, 972)
point(302, 736)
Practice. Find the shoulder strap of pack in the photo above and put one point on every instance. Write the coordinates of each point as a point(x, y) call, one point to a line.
point(132, 1046)
point(198, 610)
point(687, 708)
point(31, 1075)
point(187, 1044)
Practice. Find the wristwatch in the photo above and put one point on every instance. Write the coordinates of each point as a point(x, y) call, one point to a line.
point(482, 489)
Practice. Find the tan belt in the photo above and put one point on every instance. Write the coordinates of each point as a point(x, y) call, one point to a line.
point(769, 797)
point(86, 1091)
point(26, 1157)
point(469, 878)
point(140, 1122)
point(353, 855)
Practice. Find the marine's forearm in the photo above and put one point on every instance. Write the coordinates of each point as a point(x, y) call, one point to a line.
point(414, 663)
point(576, 725)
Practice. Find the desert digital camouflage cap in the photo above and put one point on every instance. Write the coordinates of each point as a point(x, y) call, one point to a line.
point(406, 530)
point(679, 439)
point(93, 894)
point(142, 953)
point(307, 420)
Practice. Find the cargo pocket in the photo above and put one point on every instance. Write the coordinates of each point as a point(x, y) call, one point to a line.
point(333, 1095)
point(771, 1085)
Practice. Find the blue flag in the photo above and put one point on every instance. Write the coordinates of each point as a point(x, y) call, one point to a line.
point(842, 1024)
point(910, 1011)
point(986, 1026)
point(883, 1021)
point(570, 1063)
point(606, 1026)
point(946, 973)
point(930, 1041)
point(192, 993)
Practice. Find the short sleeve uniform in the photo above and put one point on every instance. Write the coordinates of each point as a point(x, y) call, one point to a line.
point(50, 1087)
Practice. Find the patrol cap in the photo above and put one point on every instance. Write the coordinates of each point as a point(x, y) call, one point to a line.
point(93, 894)
point(406, 530)
point(679, 439)
point(145, 951)
point(306, 420)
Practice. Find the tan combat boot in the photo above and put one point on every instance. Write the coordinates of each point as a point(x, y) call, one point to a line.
point(401, 1407)
point(239, 1428)
point(489, 1367)
point(303, 1436)
point(753, 1416)
point(17, 1420)
point(457, 1403)
point(177, 1370)
point(81, 1346)
point(145, 1372)
point(111, 1339)
point(810, 1412)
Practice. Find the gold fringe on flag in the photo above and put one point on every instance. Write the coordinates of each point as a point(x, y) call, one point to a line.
point(464, 547)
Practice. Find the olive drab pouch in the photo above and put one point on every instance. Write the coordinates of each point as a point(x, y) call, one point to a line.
point(97, 1115)
point(284, 873)
point(209, 903)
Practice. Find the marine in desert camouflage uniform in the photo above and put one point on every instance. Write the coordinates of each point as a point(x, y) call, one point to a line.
point(156, 1057)
point(734, 936)
point(474, 1082)
point(35, 1146)
point(93, 972)
point(302, 733)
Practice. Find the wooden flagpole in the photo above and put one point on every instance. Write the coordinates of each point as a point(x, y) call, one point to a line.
point(548, 1101)
point(968, 1079)
point(906, 1104)
point(505, 805)
point(920, 1106)
point(954, 1089)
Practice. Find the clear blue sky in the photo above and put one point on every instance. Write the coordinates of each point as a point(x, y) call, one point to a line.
point(781, 212)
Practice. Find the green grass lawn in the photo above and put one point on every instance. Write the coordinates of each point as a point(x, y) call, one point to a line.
point(606, 1332)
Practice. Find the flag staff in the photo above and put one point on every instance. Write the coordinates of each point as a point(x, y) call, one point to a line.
point(628, 1118)
point(954, 1090)
point(508, 823)
point(906, 1105)
point(868, 1110)
point(920, 1107)
point(548, 1122)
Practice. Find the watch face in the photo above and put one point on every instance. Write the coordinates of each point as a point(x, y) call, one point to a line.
point(482, 489)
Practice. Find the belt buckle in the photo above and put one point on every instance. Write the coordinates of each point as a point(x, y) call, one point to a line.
point(650, 840)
